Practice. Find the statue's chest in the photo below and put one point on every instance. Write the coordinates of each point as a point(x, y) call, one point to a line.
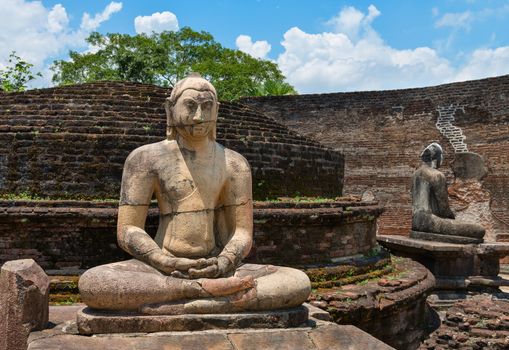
point(195, 185)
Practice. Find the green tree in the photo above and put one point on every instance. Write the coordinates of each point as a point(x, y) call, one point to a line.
point(164, 58)
point(273, 87)
point(17, 74)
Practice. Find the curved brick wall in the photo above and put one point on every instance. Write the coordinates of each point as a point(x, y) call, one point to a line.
point(82, 234)
point(72, 141)
point(381, 134)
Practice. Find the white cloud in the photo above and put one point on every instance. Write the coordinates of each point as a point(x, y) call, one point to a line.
point(157, 22)
point(350, 21)
point(455, 20)
point(485, 62)
point(39, 34)
point(464, 20)
point(355, 57)
point(57, 19)
point(258, 49)
point(92, 23)
point(458, 21)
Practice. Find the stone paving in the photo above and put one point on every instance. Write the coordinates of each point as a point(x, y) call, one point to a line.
point(480, 322)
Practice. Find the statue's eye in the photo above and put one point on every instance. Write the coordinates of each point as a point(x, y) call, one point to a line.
point(206, 105)
point(191, 105)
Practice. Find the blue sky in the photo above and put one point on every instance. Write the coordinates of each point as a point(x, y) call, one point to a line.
point(321, 46)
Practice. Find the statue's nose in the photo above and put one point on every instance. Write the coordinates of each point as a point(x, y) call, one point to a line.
point(198, 116)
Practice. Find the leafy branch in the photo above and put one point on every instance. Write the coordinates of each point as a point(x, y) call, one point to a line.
point(17, 74)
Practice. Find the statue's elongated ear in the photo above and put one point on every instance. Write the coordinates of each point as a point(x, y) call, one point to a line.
point(213, 133)
point(167, 108)
point(170, 125)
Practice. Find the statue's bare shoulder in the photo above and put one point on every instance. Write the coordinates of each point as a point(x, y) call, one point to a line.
point(236, 164)
point(238, 183)
point(145, 157)
point(141, 170)
point(429, 174)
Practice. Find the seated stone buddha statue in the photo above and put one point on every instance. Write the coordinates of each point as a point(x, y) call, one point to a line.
point(194, 263)
point(432, 217)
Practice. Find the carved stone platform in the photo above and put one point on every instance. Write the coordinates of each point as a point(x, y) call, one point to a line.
point(315, 334)
point(91, 321)
point(435, 237)
point(455, 266)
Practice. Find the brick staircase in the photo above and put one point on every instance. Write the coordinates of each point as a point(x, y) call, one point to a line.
point(452, 133)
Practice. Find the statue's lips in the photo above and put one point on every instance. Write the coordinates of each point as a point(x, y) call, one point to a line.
point(184, 125)
point(199, 127)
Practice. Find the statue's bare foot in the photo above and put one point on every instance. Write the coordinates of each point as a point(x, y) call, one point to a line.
point(254, 270)
point(242, 298)
point(226, 286)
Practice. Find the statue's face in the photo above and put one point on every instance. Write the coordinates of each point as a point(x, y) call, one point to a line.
point(433, 155)
point(195, 114)
point(439, 159)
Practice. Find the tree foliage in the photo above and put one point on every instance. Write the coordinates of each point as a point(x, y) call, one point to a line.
point(17, 74)
point(164, 58)
point(273, 87)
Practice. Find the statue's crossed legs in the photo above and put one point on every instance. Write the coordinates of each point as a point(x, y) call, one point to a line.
point(135, 286)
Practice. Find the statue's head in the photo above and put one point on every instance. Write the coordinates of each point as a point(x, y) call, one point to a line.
point(191, 109)
point(433, 155)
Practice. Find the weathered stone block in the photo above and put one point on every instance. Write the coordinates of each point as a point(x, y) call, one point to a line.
point(24, 289)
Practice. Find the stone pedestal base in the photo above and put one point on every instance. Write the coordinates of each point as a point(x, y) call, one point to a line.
point(455, 266)
point(314, 334)
point(435, 237)
point(91, 321)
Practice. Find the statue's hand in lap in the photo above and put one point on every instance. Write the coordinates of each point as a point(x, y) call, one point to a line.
point(207, 268)
point(181, 267)
point(224, 266)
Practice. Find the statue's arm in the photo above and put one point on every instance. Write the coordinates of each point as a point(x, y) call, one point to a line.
point(136, 192)
point(240, 204)
point(442, 197)
point(239, 245)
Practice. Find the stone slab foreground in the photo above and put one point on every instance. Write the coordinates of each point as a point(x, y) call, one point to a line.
point(315, 334)
point(24, 293)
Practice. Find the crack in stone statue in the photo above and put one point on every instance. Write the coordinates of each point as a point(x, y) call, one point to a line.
point(432, 217)
point(194, 263)
point(204, 210)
